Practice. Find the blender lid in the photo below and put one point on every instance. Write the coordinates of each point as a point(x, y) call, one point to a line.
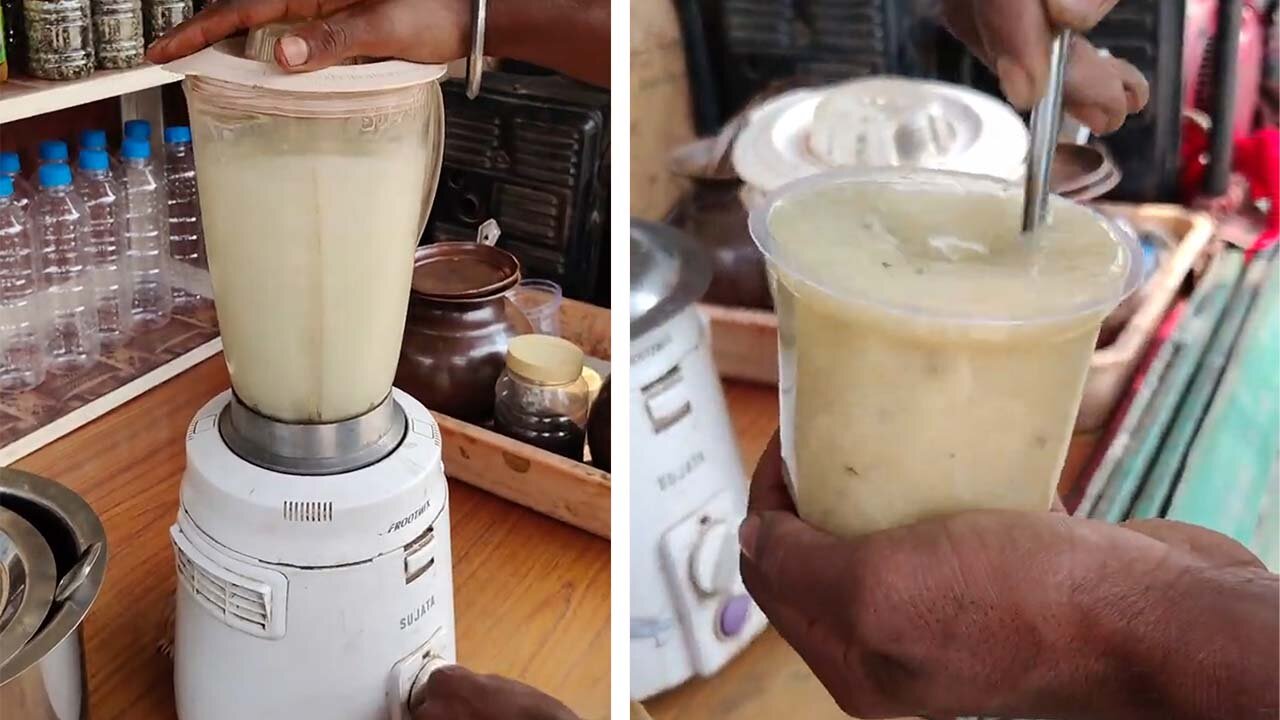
point(225, 61)
point(28, 578)
point(880, 122)
point(669, 272)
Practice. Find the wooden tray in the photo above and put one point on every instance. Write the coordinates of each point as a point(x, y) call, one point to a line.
point(739, 334)
point(572, 492)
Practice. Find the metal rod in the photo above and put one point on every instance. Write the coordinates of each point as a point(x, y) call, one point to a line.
point(1046, 120)
point(1226, 49)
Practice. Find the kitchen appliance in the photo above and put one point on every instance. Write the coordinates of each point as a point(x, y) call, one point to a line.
point(690, 613)
point(312, 542)
point(53, 558)
point(531, 151)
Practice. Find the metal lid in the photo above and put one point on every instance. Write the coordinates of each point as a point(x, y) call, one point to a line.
point(76, 564)
point(880, 122)
point(545, 359)
point(27, 580)
point(669, 272)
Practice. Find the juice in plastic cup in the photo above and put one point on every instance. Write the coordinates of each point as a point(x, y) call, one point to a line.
point(931, 359)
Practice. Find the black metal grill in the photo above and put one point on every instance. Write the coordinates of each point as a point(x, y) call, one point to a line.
point(530, 152)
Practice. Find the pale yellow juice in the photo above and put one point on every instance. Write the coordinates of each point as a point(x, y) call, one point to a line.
point(932, 360)
point(310, 237)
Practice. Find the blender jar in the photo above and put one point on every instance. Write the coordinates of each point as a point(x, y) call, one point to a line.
point(314, 191)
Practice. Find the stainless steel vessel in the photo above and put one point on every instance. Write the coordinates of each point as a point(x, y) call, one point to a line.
point(53, 558)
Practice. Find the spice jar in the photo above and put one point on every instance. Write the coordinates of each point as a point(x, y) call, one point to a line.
point(541, 396)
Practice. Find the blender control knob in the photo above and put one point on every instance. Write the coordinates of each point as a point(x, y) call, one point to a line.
point(734, 615)
point(713, 566)
point(419, 686)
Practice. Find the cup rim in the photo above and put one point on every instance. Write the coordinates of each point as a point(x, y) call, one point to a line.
point(762, 235)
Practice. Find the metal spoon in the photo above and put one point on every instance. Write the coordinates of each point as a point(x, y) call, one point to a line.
point(1046, 121)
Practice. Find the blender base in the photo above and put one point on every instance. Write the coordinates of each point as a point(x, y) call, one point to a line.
point(325, 597)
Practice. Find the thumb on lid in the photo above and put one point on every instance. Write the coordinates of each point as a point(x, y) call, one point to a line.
point(322, 43)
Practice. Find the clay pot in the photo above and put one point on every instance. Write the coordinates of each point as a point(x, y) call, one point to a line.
point(713, 213)
point(458, 325)
point(598, 429)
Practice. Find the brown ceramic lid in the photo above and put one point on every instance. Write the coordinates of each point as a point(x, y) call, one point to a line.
point(1082, 172)
point(463, 271)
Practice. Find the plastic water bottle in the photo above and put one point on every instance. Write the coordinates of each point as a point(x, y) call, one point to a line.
point(22, 336)
point(53, 151)
point(60, 229)
point(96, 139)
point(11, 167)
point(147, 232)
point(139, 129)
point(186, 233)
point(104, 199)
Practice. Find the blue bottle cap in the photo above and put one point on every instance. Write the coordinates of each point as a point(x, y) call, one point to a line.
point(10, 162)
point(55, 175)
point(93, 160)
point(94, 139)
point(140, 129)
point(53, 151)
point(135, 149)
point(6, 187)
point(177, 134)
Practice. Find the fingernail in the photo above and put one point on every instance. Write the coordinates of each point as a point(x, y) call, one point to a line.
point(747, 533)
point(1015, 82)
point(295, 50)
point(1095, 119)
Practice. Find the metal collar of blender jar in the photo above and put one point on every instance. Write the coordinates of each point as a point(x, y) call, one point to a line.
point(313, 449)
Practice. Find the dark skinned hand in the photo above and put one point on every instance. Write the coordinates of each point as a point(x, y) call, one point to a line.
point(425, 31)
point(1017, 614)
point(1013, 39)
point(455, 693)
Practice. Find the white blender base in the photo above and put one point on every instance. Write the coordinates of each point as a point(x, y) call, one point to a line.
point(322, 597)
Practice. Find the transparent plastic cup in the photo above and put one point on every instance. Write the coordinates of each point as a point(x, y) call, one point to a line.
point(539, 300)
point(931, 360)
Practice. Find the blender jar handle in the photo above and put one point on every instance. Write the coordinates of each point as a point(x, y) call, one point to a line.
point(435, 141)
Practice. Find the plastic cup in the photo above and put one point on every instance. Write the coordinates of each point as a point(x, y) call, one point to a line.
point(931, 360)
point(539, 300)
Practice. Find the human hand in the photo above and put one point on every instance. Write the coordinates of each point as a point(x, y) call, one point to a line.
point(1013, 38)
point(1008, 614)
point(425, 31)
point(429, 32)
point(455, 693)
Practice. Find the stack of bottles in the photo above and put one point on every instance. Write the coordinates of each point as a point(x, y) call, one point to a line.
point(68, 39)
point(88, 255)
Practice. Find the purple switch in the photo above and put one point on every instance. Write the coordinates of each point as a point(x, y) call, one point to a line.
point(734, 614)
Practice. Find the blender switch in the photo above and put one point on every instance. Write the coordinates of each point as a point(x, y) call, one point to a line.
point(419, 556)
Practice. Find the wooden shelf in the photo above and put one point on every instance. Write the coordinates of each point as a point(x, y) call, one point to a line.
point(24, 97)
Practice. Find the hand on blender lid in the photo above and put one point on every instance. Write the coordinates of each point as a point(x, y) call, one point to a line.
point(331, 32)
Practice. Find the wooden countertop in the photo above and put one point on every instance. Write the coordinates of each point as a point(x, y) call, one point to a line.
point(532, 594)
point(769, 680)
